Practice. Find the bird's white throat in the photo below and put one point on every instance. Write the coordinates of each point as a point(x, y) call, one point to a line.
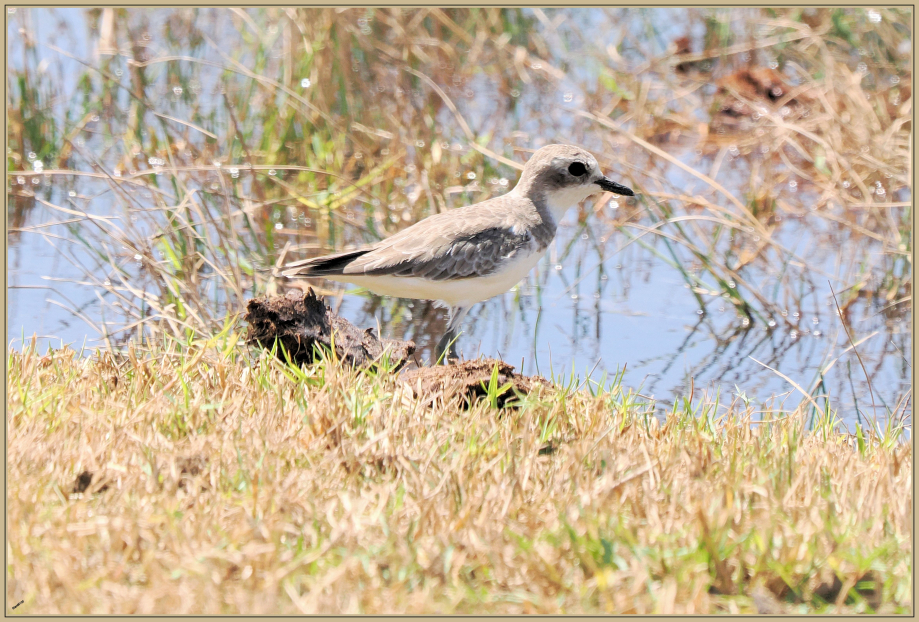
point(561, 200)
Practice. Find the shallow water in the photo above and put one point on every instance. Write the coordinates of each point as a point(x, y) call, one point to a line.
point(643, 318)
point(599, 301)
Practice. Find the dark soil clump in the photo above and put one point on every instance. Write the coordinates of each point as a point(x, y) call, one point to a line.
point(467, 379)
point(300, 323)
point(190, 467)
point(84, 482)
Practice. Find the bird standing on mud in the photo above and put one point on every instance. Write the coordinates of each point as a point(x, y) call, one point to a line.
point(470, 254)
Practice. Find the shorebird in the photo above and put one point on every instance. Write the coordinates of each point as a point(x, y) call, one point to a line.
point(467, 255)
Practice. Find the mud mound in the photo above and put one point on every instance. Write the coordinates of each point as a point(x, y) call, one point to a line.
point(466, 378)
point(302, 322)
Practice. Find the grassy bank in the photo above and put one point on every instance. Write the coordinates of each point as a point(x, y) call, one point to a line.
point(223, 484)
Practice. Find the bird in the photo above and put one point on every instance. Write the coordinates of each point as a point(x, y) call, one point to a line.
point(467, 255)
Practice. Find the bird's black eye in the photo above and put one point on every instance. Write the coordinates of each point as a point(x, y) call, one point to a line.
point(577, 169)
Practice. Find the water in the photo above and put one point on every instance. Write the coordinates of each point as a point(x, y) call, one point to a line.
point(600, 301)
point(646, 321)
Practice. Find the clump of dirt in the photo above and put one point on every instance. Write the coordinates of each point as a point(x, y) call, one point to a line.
point(466, 378)
point(84, 482)
point(190, 467)
point(301, 322)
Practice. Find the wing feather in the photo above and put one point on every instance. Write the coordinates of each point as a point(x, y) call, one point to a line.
point(473, 253)
point(452, 245)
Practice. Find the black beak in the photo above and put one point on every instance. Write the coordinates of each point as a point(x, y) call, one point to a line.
point(611, 186)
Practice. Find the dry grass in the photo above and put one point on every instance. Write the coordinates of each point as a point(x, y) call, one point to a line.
point(222, 484)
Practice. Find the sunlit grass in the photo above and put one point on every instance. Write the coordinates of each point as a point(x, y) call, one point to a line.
point(224, 484)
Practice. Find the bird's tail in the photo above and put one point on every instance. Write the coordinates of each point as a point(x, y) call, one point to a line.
point(328, 265)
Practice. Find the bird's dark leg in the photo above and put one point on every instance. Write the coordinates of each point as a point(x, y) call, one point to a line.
point(446, 347)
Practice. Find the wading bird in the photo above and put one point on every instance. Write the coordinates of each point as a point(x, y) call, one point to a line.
point(470, 254)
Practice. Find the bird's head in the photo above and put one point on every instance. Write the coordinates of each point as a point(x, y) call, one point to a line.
point(563, 176)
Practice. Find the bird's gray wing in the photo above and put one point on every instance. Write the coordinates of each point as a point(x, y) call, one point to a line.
point(444, 247)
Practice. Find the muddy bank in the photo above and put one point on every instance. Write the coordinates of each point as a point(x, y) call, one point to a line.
point(304, 326)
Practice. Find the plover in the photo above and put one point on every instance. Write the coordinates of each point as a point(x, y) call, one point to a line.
point(470, 254)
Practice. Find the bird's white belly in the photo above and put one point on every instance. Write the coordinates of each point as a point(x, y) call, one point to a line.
point(455, 292)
